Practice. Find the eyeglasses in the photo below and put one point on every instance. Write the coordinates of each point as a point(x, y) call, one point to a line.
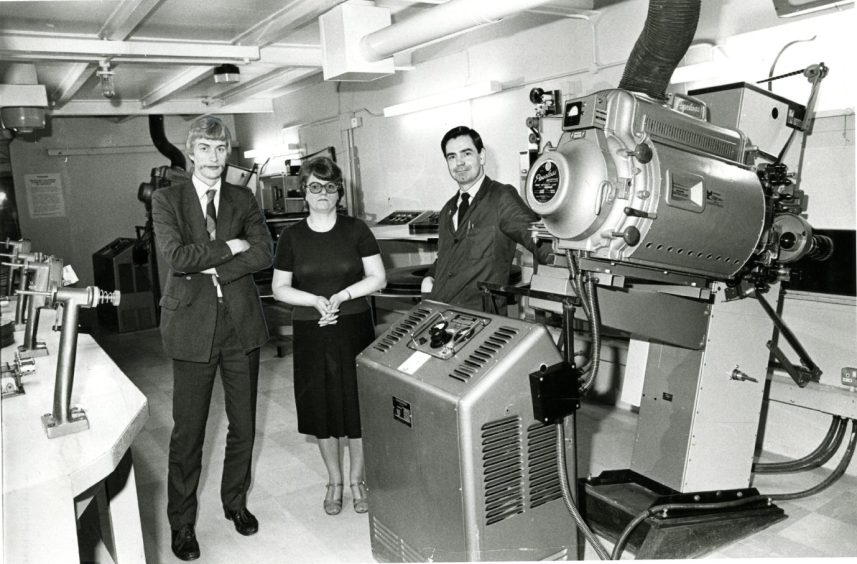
point(316, 188)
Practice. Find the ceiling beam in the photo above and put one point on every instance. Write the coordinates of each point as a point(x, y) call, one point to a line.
point(293, 16)
point(291, 55)
point(306, 82)
point(175, 84)
point(41, 47)
point(564, 7)
point(126, 17)
point(75, 77)
point(264, 83)
point(173, 107)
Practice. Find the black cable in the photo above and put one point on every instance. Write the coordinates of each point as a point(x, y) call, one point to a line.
point(813, 93)
point(836, 429)
point(835, 475)
point(566, 495)
point(595, 328)
point(626, 533)
point(574, 273)
point(786, 75)
point(833, 449)
point(777, 58)
point(577, 286)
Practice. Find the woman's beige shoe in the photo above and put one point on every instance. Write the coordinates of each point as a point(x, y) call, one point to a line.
point(361, 497)
point(333, 499)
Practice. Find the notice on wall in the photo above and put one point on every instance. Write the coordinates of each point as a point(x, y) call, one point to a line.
point(44, 195)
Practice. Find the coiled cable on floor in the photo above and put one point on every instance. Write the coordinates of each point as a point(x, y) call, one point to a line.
point(818, 457)
point(566, 495)
point(619, 547)
point(833, 477)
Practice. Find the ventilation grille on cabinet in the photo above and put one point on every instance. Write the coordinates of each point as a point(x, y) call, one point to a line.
point(394, 547)
point(483, 354)
point(542, 466)
point(502, 461)
point(401, 330)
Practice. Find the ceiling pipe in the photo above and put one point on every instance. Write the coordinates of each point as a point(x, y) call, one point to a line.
point(446, 19)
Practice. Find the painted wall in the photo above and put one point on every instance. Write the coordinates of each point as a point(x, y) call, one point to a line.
point(99, 190)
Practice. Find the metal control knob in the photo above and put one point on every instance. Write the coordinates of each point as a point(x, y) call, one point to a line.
point(631, 235)
point(642, 152)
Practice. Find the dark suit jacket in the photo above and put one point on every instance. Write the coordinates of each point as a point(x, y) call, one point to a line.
point(484, 245)
point(189, 300)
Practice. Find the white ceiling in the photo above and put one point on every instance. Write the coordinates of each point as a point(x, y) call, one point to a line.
point(163, 52)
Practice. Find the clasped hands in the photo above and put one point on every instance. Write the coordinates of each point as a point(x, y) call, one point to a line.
point(329, 308)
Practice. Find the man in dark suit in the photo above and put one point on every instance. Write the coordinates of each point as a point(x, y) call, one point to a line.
point(479, 228)
point(213, 237)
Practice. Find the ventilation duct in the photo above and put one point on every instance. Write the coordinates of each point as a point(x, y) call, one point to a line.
point(667, 34)
point(159, 138)
point(443, 21)
point(358, 42)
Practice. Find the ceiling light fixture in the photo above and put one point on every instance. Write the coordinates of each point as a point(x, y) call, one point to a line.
point(470, 92)
point(226, 74)
point(105, 76)
point(790, 8)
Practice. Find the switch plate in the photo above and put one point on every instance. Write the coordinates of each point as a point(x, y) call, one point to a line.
point(849, 376)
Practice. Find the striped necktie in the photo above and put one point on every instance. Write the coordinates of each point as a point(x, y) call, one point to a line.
point(210, 214)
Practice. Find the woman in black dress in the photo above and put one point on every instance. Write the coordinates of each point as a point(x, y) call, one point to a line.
point(325, 266)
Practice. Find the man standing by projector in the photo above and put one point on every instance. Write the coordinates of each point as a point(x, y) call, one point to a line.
point(479, 228)
point(213, 237)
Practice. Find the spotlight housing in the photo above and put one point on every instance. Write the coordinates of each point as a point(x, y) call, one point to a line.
point(226, 74)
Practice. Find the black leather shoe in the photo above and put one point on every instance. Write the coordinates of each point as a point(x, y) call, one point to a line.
point(184, 543)
point(245, 522)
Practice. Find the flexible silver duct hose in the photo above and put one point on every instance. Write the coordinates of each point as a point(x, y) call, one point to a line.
point(667, 34)
point(586, 291)
point(574, 279)
point(566, 495)
point(595, 328)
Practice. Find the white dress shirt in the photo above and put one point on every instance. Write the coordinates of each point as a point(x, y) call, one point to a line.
point(201, 189)
point(472, 190)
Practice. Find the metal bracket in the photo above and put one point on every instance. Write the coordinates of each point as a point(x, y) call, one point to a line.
point(808, 371)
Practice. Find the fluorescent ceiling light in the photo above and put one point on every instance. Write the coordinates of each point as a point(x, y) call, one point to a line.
point(449, 97)
point(278, 150)
point(790, 8)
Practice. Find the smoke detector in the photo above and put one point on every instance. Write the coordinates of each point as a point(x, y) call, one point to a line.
point(226, 74)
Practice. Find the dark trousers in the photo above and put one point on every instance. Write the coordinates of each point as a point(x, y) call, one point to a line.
point(192, 386)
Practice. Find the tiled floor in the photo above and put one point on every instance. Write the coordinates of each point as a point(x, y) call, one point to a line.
point(288, 483)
